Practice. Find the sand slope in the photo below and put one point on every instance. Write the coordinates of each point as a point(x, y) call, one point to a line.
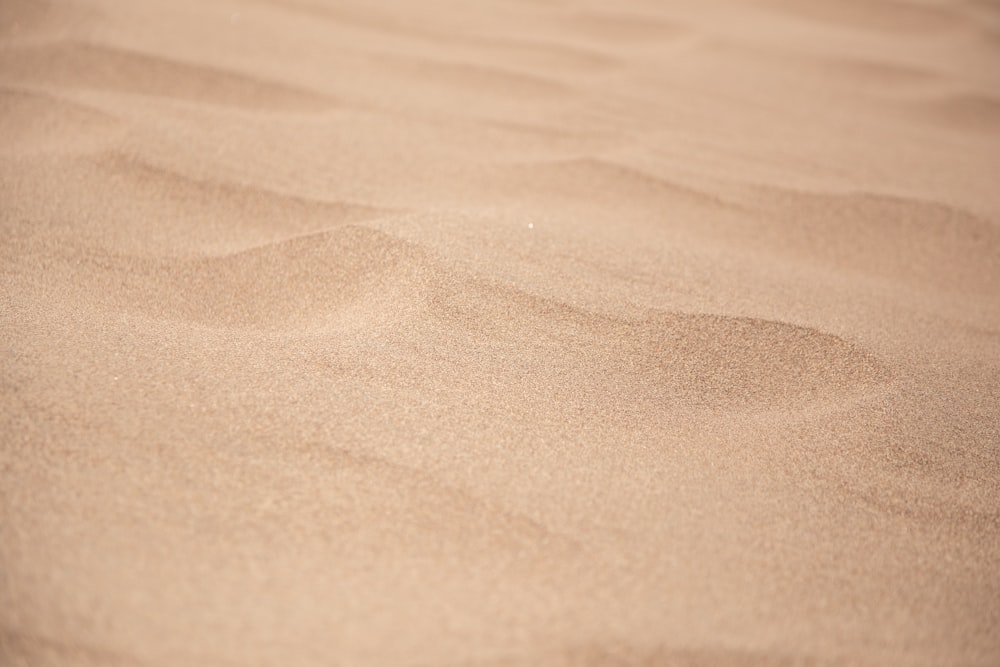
point(499, 333)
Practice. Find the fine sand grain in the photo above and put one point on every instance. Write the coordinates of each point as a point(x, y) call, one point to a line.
point(499, 333)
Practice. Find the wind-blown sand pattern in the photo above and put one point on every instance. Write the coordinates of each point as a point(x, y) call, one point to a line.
point(500, 333)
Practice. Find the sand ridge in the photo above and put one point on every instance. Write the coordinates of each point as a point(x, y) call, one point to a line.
point(499, 333)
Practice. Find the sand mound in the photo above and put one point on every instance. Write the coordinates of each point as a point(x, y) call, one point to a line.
point(595, 362)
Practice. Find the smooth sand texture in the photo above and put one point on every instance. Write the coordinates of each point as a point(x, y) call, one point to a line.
point(500, 333)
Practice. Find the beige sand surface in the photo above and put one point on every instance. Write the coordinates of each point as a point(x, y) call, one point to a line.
point(500, 332)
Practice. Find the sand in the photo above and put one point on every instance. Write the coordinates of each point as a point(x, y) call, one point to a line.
point(500, 333)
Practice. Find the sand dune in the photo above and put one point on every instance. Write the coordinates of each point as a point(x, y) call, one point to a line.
point(499, 333)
